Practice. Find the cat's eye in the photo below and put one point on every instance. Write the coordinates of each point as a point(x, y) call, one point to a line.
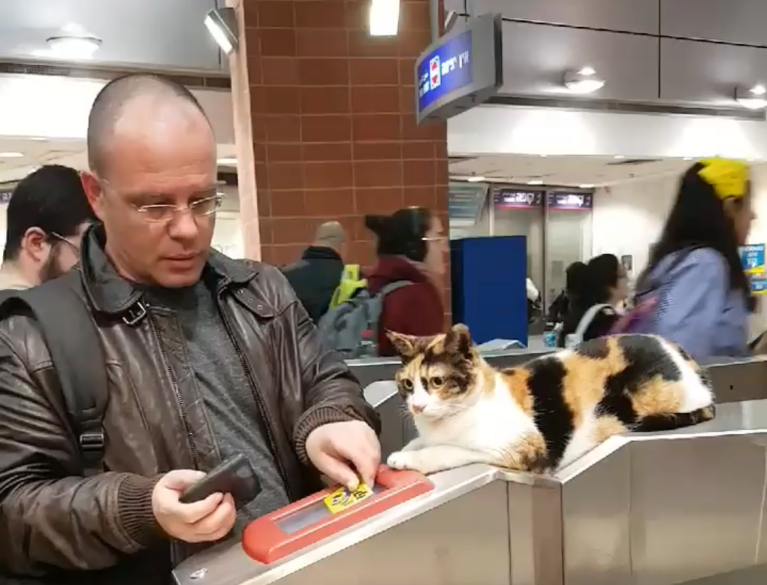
point(407, 385)
point(437, 382)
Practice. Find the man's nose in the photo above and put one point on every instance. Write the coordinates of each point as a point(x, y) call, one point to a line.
point(183, 226)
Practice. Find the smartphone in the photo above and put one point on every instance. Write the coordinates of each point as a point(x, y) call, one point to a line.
point(234, 476)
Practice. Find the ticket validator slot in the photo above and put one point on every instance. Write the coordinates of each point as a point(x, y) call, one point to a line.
point(317, 517)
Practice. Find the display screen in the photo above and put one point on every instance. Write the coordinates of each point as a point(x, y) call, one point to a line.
point(446, 69)
point(574, 201)
point(516, 199)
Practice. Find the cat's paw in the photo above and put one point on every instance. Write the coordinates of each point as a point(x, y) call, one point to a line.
point(402, 460)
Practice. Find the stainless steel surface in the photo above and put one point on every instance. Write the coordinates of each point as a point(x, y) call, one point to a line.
point(735, 21)
point(640, 509)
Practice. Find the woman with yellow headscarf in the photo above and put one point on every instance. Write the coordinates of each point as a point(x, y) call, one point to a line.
point(695, 281)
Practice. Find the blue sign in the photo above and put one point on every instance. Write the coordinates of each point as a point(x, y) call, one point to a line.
point(447, 69)
point(759, 284)
point(752, 257)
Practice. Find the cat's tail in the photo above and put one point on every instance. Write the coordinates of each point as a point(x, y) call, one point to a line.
point(668, 422)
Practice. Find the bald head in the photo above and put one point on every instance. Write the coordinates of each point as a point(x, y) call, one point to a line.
point(138, 101)
point(330, 235)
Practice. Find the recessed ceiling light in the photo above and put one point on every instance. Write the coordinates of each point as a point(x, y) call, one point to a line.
point(688, 158)
point(475, 179)
point(544, 155)
point(227, 161)
point(11, 155)
point(74, 47)
point(619, 157)
point(587, 186)
point(535, 182)
point(583, 81)
point(754, 98)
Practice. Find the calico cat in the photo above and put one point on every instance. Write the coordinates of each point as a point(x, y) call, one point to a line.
point(547, 413)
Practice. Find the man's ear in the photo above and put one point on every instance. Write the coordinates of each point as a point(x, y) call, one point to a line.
point(93, 192)
point(33, 243)
point(403, 344)
point(458, 340)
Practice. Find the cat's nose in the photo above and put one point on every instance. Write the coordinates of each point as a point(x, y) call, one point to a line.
point(418, 408)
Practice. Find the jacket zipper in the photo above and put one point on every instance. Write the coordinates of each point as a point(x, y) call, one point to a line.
point(176, 390)
point(261, 406)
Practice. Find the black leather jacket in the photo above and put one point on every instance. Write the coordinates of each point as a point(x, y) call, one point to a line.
point(53, 523)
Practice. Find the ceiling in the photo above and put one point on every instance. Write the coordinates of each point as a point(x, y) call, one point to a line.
point(158, 35)
point(37, 152)
point(570, 171)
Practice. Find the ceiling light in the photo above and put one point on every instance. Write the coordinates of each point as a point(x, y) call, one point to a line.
point(227, 161)
point(475, 179)
point(74, 47)
point(619, 157)
point(535, 182)
point(222, 26)
point(587, 186)
point(11, 155)
point(583, 81)
point(754, 98)
point(688, 158)
point(544, 155)
point(384, 18)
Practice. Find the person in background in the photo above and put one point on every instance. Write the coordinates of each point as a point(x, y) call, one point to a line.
point(46, 217)
point(574, 276)
point(411, 248)
point(315, 277)
point(695, 271)
point(593, 304)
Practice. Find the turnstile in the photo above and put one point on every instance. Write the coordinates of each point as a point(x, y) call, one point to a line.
point(686, 506)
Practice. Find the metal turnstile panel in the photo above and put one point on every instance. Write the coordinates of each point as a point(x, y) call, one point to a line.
point(701, 513)
point(462, 542)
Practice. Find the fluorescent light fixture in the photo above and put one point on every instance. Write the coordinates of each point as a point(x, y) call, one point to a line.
point(73, 47)
point(222, 26)
point(384, 18)
point(535, 182)
point(688, 158)
point(11, 155)
point(227, 161)
point(754, 98)
point(587, 186)
point(619, 157)
point(583, 81)
point(476, 179)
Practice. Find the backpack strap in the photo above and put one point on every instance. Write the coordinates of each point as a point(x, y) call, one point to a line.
point(392, 286)
point(78, 358)
point(586, 320)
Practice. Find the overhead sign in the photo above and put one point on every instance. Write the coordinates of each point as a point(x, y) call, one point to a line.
point(5, 197)
point(517, 199)
point(758, 284)
point(461, 70)
point(572, 201)
point(752, 257)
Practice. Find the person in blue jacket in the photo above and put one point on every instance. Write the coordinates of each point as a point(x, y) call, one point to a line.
point(703, 296)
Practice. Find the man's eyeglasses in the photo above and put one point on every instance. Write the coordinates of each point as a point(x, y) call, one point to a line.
point(162, 212)
point(60, 238)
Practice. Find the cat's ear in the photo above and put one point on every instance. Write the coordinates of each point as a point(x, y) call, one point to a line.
point(458, 340)
point(403, 344)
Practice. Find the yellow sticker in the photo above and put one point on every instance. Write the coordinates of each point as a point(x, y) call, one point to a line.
point(342, 498)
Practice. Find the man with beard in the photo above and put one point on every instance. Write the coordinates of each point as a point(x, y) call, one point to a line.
point(47, 216)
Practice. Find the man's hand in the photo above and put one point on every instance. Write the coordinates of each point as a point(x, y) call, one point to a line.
point(204, 521)
point(346, 452)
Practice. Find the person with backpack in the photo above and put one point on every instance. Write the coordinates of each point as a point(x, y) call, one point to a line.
point(125, 382)
point(317, 275)
point(411, 249)
point(694, 290)
point(593, 306)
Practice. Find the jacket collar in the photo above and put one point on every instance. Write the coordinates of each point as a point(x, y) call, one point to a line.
point(108, 292)
point(320, 252)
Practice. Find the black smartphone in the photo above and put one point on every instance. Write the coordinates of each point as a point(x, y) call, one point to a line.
point(234, 476)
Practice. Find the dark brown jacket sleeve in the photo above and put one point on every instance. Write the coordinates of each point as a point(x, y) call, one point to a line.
point(48, 515)
point(331, 392)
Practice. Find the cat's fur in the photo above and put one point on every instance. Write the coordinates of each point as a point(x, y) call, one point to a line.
point(541, 416)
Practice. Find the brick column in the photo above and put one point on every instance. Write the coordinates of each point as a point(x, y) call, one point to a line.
point(333, 129)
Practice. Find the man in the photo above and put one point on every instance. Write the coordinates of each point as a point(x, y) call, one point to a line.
point(207, 357)
point(317, 275)
point(46, 218)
